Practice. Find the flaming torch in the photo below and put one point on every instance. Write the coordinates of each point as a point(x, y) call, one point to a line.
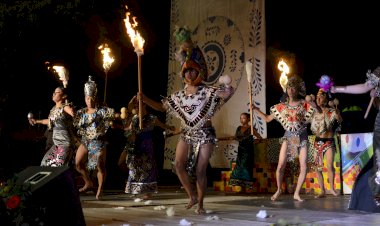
point(107, 62)
point(283, 67)
point(63, 75)
point(138, 44)
point(248, 68)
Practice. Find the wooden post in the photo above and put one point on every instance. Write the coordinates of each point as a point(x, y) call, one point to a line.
point(140, 88)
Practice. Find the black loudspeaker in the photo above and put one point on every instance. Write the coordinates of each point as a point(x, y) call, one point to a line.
point(53, 191)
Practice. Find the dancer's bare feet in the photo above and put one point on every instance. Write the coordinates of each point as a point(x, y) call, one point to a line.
point(99, 195)
point(333, 192)
point(276, 195)
point(200, 211)
point(297, 198)
point(191, 203)
point(86, 187)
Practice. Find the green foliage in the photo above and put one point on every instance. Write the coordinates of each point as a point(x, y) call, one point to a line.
point(27, 13)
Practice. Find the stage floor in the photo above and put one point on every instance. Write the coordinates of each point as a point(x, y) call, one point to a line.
point(117, 208)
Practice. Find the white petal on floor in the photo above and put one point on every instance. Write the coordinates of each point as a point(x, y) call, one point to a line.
point(138, 200)
point(170, 211)
point(262, 214)
point(185, 222)
point(159, 207)
point(211, 218)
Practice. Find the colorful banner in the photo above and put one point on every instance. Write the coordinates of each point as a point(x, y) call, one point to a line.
point(356, 151)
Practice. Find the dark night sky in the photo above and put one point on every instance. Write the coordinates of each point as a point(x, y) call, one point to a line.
point(71, 36)
point(334, 39)
point(58, 38)
point(337, 39)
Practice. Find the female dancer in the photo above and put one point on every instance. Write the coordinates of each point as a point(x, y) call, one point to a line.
point(194, 106)
point(140, 157)
point(294, 114)
point(322, 124)
point(92, 123)
point(60, 121)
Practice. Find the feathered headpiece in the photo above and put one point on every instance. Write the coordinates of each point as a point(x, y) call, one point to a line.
point(182, 34)
point(183, 38)
point(190, 56)
point(325, 83)
point(90, 88)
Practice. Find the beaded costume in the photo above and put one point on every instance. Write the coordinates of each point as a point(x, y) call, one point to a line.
point(140, 160)
point(195, 112)
point(92, 128)
point(321, 123)
point(294, 120)
point(62, 151)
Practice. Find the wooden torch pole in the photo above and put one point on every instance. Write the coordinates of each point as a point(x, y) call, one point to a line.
point(140, 88)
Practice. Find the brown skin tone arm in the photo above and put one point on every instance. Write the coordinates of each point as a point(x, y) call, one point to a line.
point(69, 110)
point(353, 89)
point(153, 104)
point(256, 134)
point(164, 126)
point(267, 118)
point(39, 121)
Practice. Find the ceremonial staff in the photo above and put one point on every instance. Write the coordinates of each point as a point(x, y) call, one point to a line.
point(248, 68)
point(138, 44)
point(107, 62)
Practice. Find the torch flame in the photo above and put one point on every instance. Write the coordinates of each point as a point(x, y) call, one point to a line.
point(62, 74)
point(283, 67)
point(134, 35)
point(107, 59)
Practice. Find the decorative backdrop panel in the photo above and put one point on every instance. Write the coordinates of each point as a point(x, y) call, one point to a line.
point(230, 33)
